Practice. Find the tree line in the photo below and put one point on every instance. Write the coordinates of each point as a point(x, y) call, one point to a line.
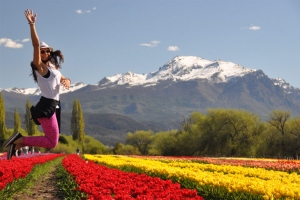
point(218, 132)
point(221, 132)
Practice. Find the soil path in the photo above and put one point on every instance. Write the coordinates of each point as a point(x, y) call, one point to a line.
point(44, 189)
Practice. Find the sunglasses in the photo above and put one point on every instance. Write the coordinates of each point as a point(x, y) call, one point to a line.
point(43, 51)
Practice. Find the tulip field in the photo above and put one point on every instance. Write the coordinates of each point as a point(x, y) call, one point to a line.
point(158, 177)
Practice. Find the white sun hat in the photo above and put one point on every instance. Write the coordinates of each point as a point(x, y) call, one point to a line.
point(44, 45)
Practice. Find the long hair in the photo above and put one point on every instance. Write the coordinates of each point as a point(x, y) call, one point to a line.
point(56, 58)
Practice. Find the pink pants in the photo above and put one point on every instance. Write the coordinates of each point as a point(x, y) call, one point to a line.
point(50, 128)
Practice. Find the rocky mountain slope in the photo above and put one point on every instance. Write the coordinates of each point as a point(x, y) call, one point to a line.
point(183, 85)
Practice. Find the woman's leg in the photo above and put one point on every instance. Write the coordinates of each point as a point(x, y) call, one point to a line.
point(50, 128)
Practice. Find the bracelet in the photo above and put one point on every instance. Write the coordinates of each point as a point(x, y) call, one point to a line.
point(31, 23)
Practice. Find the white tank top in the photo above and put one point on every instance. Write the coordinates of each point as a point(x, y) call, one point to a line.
point(50, 86)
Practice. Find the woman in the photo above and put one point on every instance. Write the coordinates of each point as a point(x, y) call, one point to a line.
point(45, 72)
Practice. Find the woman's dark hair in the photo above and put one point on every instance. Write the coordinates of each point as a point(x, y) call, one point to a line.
point(56, 58)
point(53, 58)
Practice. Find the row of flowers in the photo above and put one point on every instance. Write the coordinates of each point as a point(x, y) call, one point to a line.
point(258, 181)
point(16, 168)
point(101, 182)
point(272, 164)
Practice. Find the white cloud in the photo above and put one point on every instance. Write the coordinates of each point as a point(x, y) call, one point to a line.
point(254, 28)
point(79, 11)
point(10, 43)
point(173, 48)
point(26, 40)
point(82, 11)
point(153, 43)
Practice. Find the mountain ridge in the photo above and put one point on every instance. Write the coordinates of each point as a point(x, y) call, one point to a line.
point(161, 100)
point(180, 68)
point(197, 78)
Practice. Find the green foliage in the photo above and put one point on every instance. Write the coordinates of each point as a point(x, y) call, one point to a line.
point(141, 140)
point(165, 143)
point(93, 146)
point(223, 132)
point(229, 133)
point(117, 147)
point(2, 121)
point(77, 122)
point(293, 139)
point(63, 140)
point(278, 119)
point(17, 121)
point(90, 144)
point(127, 150)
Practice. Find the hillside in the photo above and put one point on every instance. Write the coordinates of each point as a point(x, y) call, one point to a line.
point(161, 100)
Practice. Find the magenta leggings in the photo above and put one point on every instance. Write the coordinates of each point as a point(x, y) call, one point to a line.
point(50, 128)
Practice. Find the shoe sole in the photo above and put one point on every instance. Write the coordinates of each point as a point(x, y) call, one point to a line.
point(11, 139)
point(10, 151)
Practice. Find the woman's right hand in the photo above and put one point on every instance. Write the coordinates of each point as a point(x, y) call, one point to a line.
point(30, 16)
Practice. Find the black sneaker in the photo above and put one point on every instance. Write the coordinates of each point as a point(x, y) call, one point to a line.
point(11, 140)
point(11, 151)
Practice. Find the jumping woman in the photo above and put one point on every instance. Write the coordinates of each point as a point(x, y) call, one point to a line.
point(45, 65)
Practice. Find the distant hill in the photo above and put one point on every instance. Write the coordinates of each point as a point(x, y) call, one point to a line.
point(161, 100)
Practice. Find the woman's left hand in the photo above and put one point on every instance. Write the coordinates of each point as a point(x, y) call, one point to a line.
point(66, 83)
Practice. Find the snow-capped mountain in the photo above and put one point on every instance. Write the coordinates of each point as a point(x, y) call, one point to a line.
point(181, 68)
point(183, 85)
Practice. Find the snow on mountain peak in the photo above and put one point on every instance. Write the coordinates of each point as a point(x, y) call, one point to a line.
point(181, 68)
point(130, 77)
point(36, 91)
point(73, 87)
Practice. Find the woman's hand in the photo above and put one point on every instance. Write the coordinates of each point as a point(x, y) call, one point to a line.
point(30, 16)
point(66, 82)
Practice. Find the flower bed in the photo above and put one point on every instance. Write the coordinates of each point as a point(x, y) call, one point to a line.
point(272, 164)
point(16, 168)
point(235, 179)
point(101, 182)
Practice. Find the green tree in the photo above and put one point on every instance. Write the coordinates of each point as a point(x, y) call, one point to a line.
point(127, 150)
point(140, 140)
point(190, 136)
point(77, 123)
point(2, 121)
point(278, 119)
point(17, 121)
point(165, 143)
point(31, 127)
point(117, 147)
point(294, 137)
point(230, 132)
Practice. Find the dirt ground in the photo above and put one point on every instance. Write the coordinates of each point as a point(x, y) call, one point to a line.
point(44, 189)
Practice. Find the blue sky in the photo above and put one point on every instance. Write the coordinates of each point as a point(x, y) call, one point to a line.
point(106, 37)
